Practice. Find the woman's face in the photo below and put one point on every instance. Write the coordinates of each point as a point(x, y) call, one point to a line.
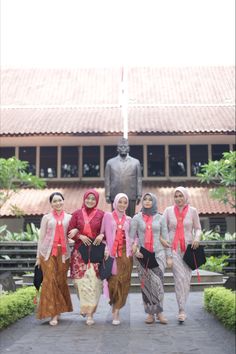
point(122, 204)
point(147, 201)
point(179, 199)
point(57, 203)
point(90, 201)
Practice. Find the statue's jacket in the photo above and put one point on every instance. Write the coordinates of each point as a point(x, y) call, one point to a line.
point(123, 175)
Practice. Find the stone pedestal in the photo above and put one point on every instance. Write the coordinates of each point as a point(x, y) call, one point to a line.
point(7, 282)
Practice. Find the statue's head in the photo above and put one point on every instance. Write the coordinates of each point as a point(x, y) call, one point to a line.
point(123, 147)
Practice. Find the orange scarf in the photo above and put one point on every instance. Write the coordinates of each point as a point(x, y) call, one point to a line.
point(179, 233)
point(148, 243)
point(59, 237)
point(118, 242)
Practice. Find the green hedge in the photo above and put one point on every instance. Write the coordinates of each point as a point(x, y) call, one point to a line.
point(16, 305)
point(221, 302)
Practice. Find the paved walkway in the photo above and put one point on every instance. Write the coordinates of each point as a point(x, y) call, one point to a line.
point(201, 333)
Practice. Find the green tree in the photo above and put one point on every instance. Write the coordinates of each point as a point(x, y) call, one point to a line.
point(13, 176)
point(222, 174)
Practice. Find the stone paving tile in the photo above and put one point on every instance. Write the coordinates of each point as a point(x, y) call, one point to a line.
point(201, 334)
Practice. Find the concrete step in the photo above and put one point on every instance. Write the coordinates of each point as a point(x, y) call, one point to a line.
point(205, 276)
point(208, 279)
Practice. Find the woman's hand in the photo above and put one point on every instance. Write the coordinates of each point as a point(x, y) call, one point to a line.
point(72, 233)
point(85, 239)
point(37, 263)
point(195, 244)
point(106, 254)
point(134, 248)
point(138, 254)
point(98, 240)
point(165, 243)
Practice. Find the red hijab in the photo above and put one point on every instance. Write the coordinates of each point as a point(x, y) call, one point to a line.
point(89, 213)
point(86, 194)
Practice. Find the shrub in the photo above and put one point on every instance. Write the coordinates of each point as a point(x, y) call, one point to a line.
point(215, 264)
point(31, 234)
point(221, 302)
point(14, 306)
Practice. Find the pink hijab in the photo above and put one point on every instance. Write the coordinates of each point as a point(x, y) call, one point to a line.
point(116, 200)
point(184, 192)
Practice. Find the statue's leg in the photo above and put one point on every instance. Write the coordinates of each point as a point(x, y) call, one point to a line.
point(131, 208)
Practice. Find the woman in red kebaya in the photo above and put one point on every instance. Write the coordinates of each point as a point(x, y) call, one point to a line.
point(84, 228)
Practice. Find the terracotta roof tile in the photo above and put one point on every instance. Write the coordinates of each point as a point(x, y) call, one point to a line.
point(27, 121)
point(60, 87)
point(150, 85)
point(83, 101)
point(35, 202)
point(182, 85)
point(147, 120)
point(165, 120)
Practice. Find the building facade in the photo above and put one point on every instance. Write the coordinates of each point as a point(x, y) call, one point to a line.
point(66, 124)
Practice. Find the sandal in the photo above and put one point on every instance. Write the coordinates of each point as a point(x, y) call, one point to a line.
point(90, 321)
point(181, 317)
point(116, 322)
point(54, 321)
point(161, 318)
point(149, 319)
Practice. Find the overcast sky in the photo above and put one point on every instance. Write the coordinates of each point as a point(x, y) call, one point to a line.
point(73, 33)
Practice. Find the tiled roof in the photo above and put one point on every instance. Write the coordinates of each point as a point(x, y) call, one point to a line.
point(143, 120)
point(146, 85)
point(179, 120)
point(194, 100)
point(182, 85)
point(33, 121)
point(54, 87)
point(35, 202)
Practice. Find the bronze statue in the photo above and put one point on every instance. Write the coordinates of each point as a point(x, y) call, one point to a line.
point(123, 175)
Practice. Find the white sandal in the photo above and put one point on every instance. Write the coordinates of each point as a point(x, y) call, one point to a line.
point(182, 317)
point(90, 321)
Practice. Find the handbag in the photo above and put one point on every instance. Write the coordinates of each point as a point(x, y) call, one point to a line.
point(194, 258)
point(105, 268)
point(92, 253)
point(148, 260)
point(38, 277)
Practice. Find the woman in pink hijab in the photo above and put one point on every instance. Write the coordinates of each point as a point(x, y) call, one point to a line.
point(184, 228)
point(115, 227)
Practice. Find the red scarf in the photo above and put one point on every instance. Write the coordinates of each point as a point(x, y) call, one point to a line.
point(87, 218)
point(179, 233)
point(118, 242)
point(59, 237)
point(148, 243)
